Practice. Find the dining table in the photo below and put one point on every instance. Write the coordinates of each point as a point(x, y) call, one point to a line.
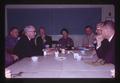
point(65, 65)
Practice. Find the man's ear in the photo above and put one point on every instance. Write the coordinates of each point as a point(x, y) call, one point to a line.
point(11, 32)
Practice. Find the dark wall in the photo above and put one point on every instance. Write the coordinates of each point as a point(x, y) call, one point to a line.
point(54, 19)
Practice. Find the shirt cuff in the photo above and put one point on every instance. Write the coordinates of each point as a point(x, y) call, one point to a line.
point(98, 46)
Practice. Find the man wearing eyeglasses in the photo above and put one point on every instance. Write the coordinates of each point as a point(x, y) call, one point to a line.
point(26, 46)
point(105, 40)
point(106, 44)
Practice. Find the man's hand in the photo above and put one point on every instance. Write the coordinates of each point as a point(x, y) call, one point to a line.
point(99, 39)
point(15, 57)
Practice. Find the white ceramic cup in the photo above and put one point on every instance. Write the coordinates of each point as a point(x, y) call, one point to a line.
point(75, 55)
point(44, 52)
point(34, 58)
point(79, 58)
point(63, 51)
point(68, 52)
point(56, 54)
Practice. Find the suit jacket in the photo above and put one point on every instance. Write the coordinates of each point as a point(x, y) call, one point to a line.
point(40, 44)
point(107, 50)
point(26, 48)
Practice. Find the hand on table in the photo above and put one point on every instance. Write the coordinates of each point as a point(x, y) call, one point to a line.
point(15, 57)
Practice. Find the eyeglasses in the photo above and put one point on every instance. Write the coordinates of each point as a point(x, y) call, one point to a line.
point(32, 31)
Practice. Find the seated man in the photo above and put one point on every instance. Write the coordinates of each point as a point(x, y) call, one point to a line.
point(25, 47)
point(89, 37)
point(98, 33)
point(106, 46)
point(10, 43)
point(66, 42)
point(43, 39)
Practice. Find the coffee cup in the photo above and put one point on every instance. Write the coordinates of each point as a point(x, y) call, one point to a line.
point(34, 58)
point(82, 52)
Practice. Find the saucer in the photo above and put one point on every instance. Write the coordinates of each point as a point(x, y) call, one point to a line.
point(60, 58)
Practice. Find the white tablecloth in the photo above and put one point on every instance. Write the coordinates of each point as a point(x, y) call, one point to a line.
point(49, 67)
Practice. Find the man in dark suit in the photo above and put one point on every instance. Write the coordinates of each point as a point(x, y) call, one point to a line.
point(43, 39)
point(25, 47)
point(106, 45)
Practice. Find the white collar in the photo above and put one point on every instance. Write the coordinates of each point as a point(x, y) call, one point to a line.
point(29, 38)
point(110, 38)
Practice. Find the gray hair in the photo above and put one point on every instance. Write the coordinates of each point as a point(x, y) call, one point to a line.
point(26, 29)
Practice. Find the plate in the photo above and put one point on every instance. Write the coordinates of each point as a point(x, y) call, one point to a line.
point(60, 58)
